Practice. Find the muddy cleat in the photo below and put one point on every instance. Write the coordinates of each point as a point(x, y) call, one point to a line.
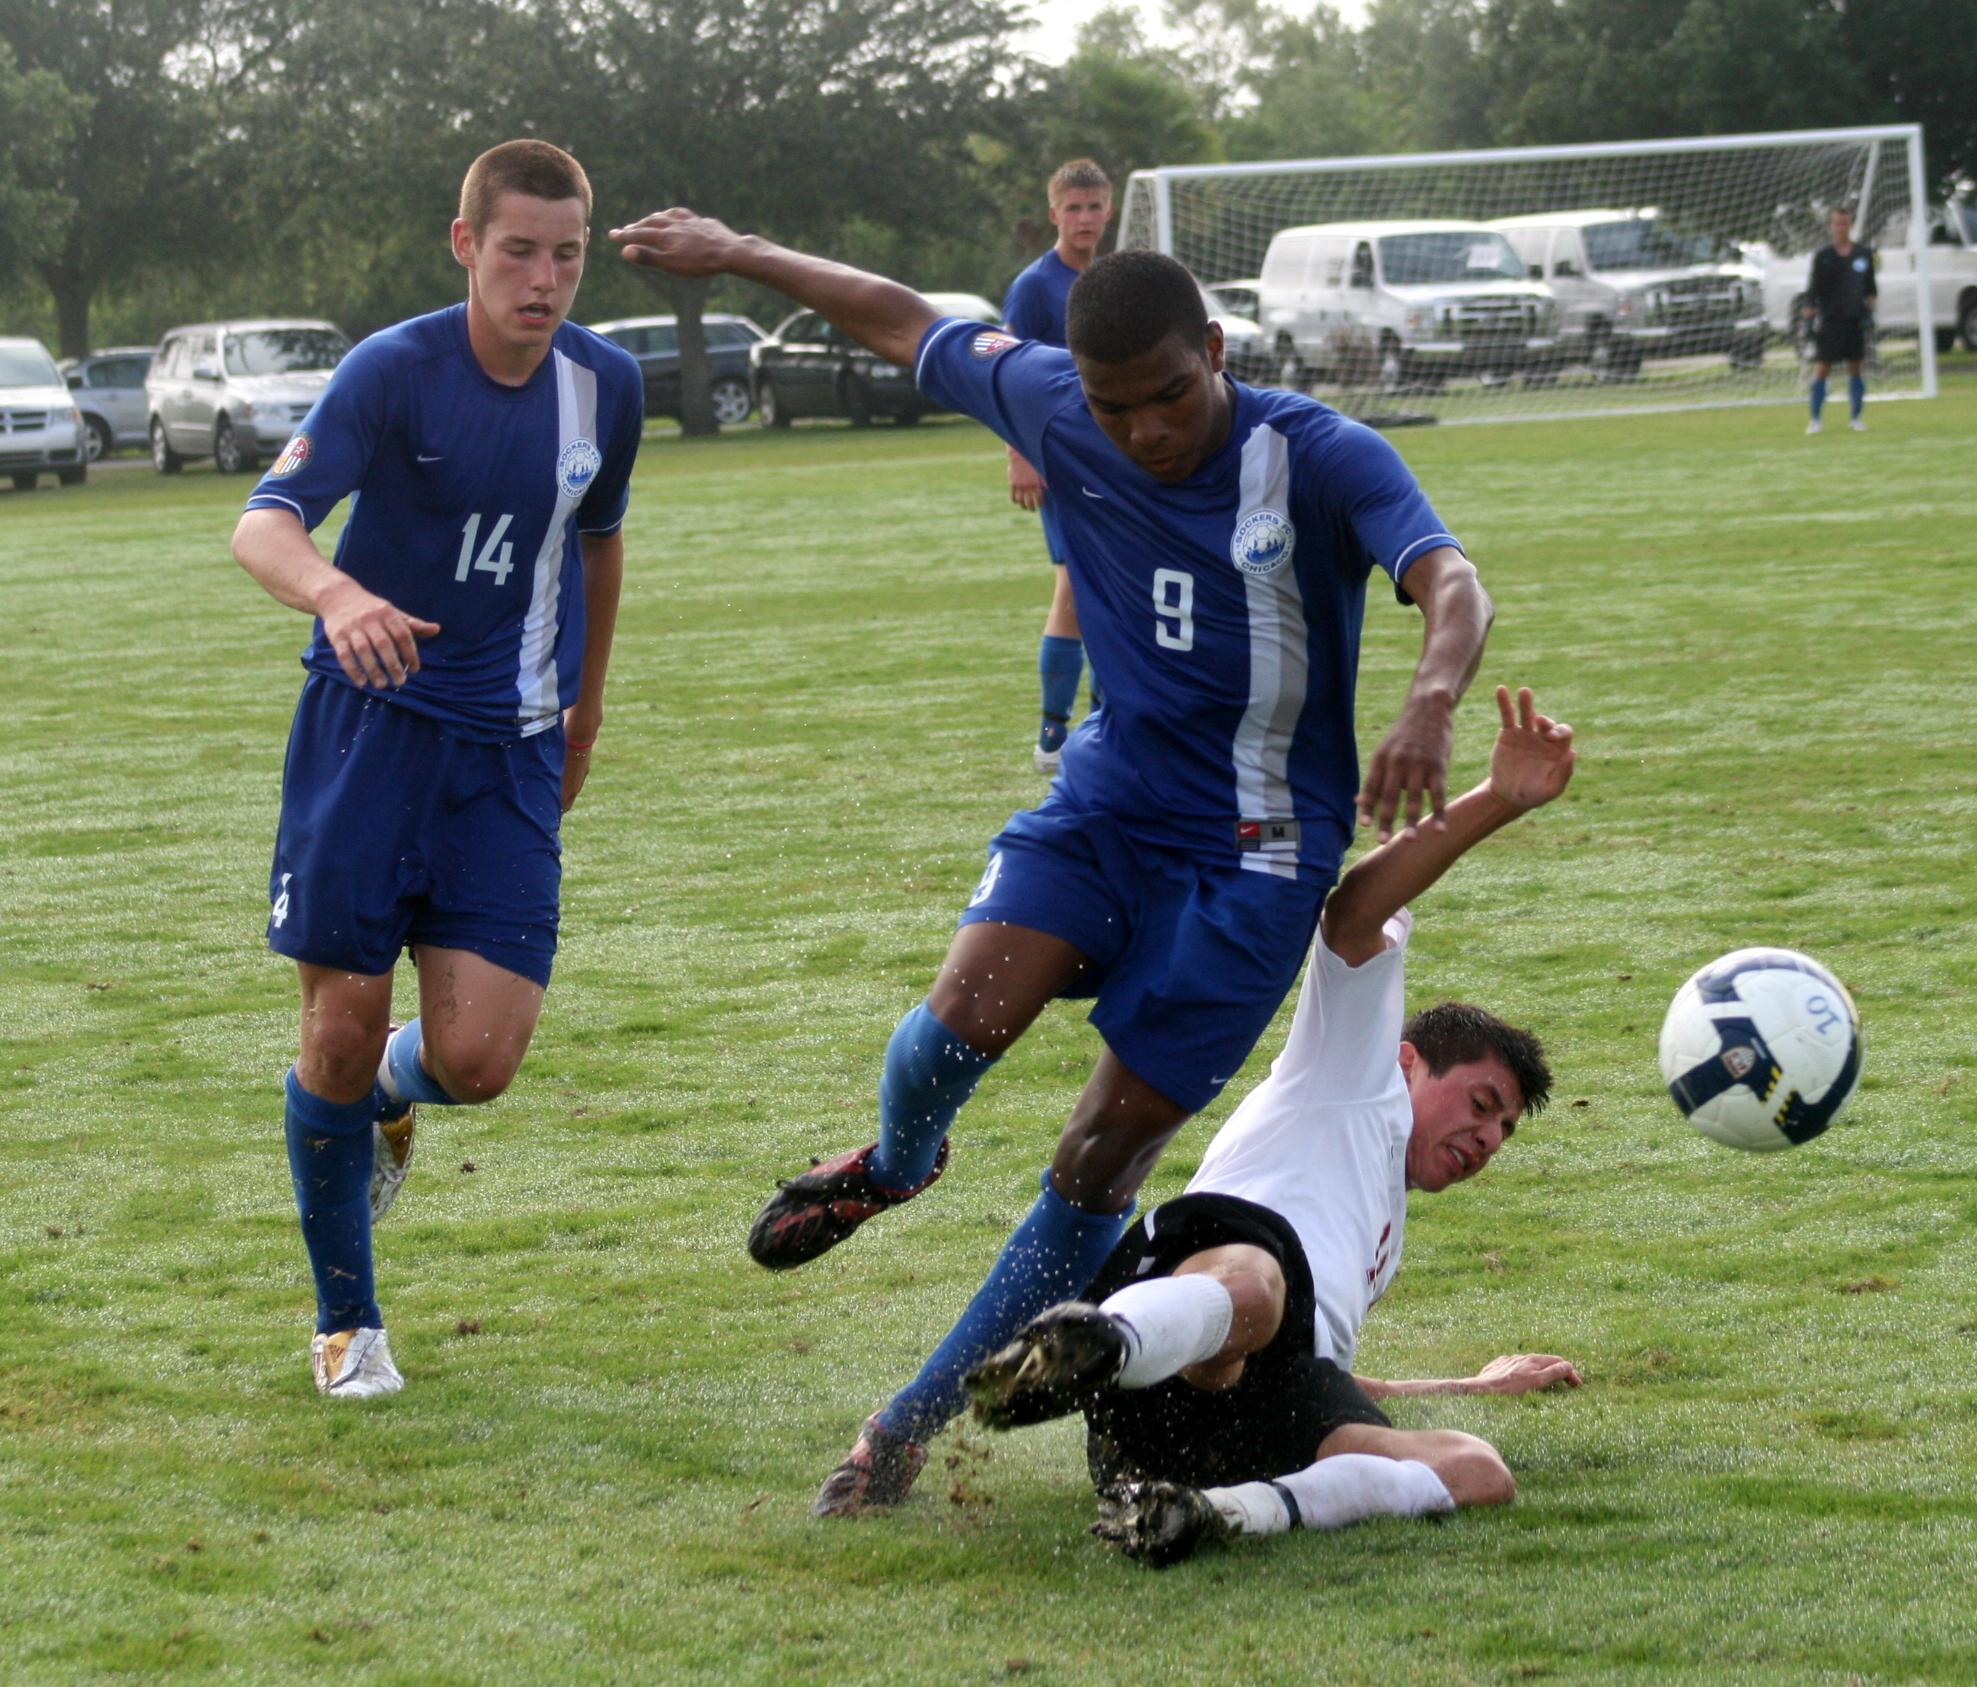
point(811, 1214)
point(354, 1365)
point(879, 1471)
point(1158, 1523)
point(391, 1159)
point(1063, 1358)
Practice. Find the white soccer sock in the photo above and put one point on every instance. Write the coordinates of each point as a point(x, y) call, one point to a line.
point(1170, 1323)
point(1333, 1493)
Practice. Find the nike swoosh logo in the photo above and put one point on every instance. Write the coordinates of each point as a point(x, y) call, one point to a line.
point(1089, 493)
point(436, 457)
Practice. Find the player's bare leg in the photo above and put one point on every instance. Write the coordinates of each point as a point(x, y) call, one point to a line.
point(1470, 1469)
point(477, 1018)
point(344, 1020)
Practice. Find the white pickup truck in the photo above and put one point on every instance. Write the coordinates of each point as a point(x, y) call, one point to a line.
point(1952, 236)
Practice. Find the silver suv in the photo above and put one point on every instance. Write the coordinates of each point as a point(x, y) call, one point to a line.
point(40, 427)
point(235, 391)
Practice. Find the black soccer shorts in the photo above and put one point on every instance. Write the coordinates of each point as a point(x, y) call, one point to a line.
point(1840, 340)
point(1288, 1399)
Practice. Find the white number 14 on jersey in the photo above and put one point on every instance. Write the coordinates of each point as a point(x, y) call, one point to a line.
point(490, 560)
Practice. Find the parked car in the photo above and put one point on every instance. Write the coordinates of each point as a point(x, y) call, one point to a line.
point(1399, 303)
point(109, 391)
point(809, 368)
point(655, 342)
point(1951, 231)
point(40, 427)
point(1632, 285)
point(1239, 296)
point(1245, 352)
point(235, 391)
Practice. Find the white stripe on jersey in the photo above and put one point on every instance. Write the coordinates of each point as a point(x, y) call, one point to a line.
point(576, 418)
point(1279, 664)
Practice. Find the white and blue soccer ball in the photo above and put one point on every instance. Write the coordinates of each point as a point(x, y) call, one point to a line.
point(1761, 1049)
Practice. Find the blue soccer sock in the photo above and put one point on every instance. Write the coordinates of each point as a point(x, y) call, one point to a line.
point(929, 1073)
point(1856, 394)
point(1060, 664)
point(329, 1163)
point(1818, 398)
point(403, 1076)
point(1051, 1256)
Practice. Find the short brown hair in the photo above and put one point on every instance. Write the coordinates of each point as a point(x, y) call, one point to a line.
point(1079, 172)
point(1454, 1034)
point(535, 168)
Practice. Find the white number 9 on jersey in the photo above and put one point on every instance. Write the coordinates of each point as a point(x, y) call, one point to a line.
point(1173, 609)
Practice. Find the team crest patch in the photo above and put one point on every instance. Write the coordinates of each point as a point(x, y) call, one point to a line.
point(1262, 543)
point(578, 467)
point(987, 345)
point(293, 455)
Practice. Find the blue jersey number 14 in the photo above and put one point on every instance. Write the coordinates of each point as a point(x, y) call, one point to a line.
point(492, 560)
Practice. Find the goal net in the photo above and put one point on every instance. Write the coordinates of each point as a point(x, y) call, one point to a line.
point(1548, 281)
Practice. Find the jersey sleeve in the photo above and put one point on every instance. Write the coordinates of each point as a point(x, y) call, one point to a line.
point(603, 508)
point(1364, 1008)
point(326, 457)
point(1009, 385)
point(1026, 309)
point(1376, 493)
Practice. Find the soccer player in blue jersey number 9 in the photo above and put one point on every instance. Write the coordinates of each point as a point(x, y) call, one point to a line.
point(1219, 541)
point(455, 687)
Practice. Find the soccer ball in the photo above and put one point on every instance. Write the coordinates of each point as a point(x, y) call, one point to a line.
point(1761, 1049)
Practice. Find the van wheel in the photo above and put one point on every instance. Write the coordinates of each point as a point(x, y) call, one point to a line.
point(23, 482)
point(229, 455)
point(1966, 322)
point(1391, 370)
point(73, 477)
point(99, 441)
point(730, 401)
point(163, 458)
point(770, 410)
point(1291, 371)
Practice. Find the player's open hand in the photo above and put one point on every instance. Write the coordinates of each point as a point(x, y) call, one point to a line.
point(1533, 758)
point(1409, 767)
point(1525, 1373)
point(678, 241)
point(1025, 484)
point(376, 642)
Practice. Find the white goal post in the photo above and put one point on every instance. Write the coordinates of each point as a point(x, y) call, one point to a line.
point(1555, 280)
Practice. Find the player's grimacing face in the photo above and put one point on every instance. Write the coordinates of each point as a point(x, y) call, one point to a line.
point(526, 263)
point(1460, 1118)
point(1166, 409)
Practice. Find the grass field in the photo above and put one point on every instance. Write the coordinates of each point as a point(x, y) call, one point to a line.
point(820, 710)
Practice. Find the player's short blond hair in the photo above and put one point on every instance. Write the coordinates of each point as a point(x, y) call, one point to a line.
point(1079, 172)
point(535, 168)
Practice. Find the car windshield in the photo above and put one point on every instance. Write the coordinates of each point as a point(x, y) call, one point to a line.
point(27, 366)
point(1646, 243)
point(277, 351)
point(1449, 255)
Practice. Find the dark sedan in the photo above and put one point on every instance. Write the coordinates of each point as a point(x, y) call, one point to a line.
point(808, 368)
point(655, 342)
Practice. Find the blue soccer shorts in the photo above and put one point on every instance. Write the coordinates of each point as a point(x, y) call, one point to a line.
point(1190, 959)
point(394, 831)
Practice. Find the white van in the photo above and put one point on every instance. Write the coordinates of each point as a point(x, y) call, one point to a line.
point(40, 427)
point(1632, 285)
point(1399, 303)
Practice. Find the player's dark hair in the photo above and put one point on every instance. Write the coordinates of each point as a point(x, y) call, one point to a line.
point(534, 168)
point(1128, 302)
point(1454, 1033)
point(1077, 172)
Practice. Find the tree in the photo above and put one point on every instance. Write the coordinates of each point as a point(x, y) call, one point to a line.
point(39, 117)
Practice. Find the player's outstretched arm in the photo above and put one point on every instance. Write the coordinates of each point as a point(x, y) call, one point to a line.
point(1510, 1373)
point(889, 318)
point(1530, 764)
point(376, 642)
point(1411, 762)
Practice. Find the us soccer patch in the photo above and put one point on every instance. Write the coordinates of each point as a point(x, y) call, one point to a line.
point(577, 467)
point(986, 346)
point(293, 455)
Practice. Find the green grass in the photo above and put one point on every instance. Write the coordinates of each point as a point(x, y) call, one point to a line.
point(819, 712)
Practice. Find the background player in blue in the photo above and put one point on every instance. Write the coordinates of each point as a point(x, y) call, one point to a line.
point(1080, 207)
point(1220, 540)
point(455, 687)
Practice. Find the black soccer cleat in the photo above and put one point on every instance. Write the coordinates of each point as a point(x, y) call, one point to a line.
point(1158, 1523)
point(879, 1471)
point(811, 1214)
point(1063, 1358)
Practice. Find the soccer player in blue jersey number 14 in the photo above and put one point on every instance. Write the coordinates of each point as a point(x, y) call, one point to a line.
point(455, 688)
point(1220, 539)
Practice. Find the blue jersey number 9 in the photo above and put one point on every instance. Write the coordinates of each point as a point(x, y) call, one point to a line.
point(1173, 609)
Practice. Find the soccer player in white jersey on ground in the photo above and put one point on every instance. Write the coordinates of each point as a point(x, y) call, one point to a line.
point(1219, 542)
point(1215, 1370)
point(455, 688)
point(1033, 309)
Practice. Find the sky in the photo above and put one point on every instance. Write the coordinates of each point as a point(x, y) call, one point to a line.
point(1057, 22)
